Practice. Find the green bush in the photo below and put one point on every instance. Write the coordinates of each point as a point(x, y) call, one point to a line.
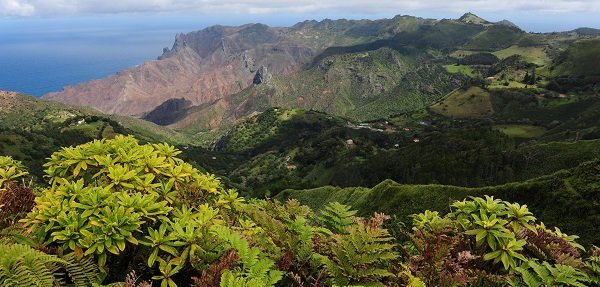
point(10, 170)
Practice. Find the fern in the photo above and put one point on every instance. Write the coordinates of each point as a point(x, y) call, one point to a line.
point(288, 230)
point(360, 257)
point(21, 265)
point(82, 271)
point(256, 270)
point(411, 280)
point(534, 274)
point(337, 217)
point(593, 266)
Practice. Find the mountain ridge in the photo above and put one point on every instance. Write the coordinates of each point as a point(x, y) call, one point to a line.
point(214, 62)
point(223, 74)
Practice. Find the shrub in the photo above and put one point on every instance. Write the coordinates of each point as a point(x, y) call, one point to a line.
point(10, 170)
point(138, 207)
point(109, 195)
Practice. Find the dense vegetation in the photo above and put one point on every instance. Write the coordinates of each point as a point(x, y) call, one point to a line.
point(425, 124)
point(117, 211)
point(575, 190)
point(574, 69)
point(522, 138)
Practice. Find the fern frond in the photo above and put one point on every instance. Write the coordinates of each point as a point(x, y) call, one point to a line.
point(256, 269)
point(360, 257)
point(83, 271)
point(337, 217)
point(21, 265)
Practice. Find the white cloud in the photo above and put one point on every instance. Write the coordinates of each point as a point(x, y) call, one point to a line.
point(16, 8)
point(69, 7)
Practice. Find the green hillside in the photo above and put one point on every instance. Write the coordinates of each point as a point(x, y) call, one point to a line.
point(575, 190)
point(495, 37)
point(576, 69)
point(535, 54)
point(283, 148)
point(580, 59)
point(409, 66)
point(395, 152)
point(31, 129)
point(474, 102)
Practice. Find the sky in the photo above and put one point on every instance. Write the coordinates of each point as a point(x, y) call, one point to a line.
point(532, 15)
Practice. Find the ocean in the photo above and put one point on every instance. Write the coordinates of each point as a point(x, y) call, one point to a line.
point(38, 56)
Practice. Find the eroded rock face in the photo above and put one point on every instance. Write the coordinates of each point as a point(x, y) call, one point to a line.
point(201, 67)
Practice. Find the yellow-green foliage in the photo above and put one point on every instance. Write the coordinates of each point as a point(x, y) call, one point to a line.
point(115, 202)
point(10, 170)
point(495, 224)
point(107, 194)
point(501, 233)
point(125, 165)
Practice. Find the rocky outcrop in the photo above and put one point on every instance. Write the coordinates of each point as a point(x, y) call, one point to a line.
point(261, 76)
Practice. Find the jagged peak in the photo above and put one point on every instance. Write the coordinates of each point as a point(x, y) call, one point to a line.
point(472, 19)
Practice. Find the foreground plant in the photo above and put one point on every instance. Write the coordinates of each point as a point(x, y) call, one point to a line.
point(122, 206)
point(107, 196)
point(21, 265)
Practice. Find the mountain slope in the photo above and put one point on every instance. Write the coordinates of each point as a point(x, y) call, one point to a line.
point(218, 61)
point(516, 136)
point(360, 69)
point(363, 86)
